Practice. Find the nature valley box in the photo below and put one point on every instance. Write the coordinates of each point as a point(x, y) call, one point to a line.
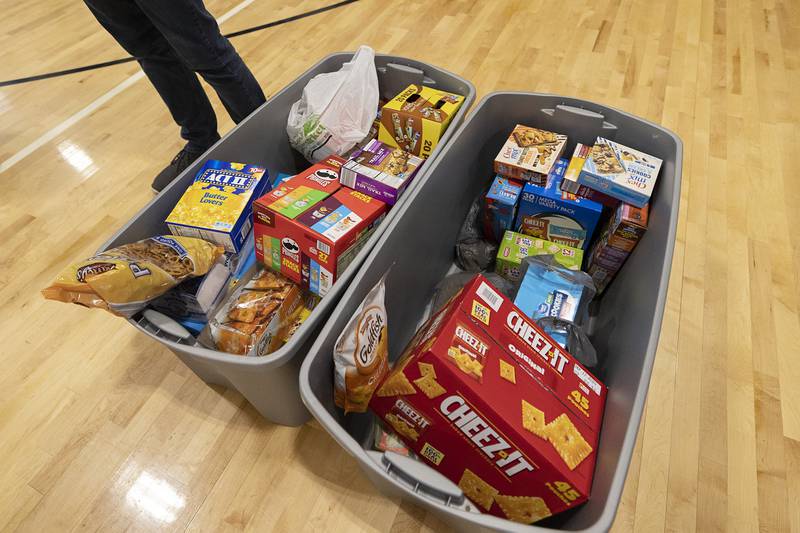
point(488, 399)
point(416, 119)
point(217, 206)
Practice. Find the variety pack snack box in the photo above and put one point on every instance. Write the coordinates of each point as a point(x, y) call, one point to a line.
point(515, 247)
point(557, 216)
point(485, 397)
point(500, 207)
point(416, 119)
point(380, 171)
point(617, 241)
point(309, 228)
point(529, 154)
point(217, 206)
point(621, 172)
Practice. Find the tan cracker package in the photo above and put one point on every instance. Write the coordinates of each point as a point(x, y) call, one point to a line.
point(361, 354)
point(122, 280)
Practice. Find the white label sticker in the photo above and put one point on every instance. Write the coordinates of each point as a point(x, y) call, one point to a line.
point(490, 296)
point(586, 378)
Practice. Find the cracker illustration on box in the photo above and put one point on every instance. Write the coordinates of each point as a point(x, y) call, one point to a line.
point(477, 490)
point(523, 509)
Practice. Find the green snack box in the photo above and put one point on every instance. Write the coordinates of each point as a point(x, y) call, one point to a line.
point(515, 247)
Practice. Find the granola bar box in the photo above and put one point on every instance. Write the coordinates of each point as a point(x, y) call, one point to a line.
point(570, 182)
point(313, 237)
point(380, 171)
point(492, 402)
point(620, 172)
point(529, 154)
point(217, 206)
point(416, 119)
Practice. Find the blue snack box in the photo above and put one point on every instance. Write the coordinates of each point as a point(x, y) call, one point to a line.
point(500, 207)
point(621, 172)
point(552, 214)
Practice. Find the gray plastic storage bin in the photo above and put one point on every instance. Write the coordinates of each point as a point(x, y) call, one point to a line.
point(270, 382)
point(419, 244)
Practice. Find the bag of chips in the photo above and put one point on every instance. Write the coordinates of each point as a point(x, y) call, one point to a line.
point(361, 354)
point(122, 280)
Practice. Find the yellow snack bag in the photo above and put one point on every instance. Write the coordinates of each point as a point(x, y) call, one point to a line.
point(122, 280)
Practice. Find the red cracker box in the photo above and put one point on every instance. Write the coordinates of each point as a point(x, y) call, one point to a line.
point(315, 235)
point(494, 404)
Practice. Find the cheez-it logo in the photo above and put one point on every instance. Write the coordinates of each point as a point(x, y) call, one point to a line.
point(530, 336)
point(486, 438)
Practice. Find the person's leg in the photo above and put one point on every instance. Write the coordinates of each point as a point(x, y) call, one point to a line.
point(178, 86)
point(195, 36)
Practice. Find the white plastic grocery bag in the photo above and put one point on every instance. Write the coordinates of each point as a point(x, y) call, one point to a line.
point(336, 109)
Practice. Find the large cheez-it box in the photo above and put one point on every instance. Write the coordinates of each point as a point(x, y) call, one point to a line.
point(488, 399)
point(310, 228)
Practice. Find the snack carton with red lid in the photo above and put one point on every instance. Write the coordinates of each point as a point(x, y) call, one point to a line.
point(492, 402)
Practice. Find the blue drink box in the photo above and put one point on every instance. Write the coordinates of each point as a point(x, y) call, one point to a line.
point(552, 214)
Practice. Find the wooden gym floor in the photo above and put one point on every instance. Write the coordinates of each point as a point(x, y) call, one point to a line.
point(103, 429)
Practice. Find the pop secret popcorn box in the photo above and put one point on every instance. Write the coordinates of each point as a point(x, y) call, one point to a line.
point(488, 399)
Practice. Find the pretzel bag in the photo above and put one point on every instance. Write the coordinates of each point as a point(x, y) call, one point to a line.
point(122, 280)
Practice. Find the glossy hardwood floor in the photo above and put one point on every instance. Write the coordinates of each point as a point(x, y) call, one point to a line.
point(103, 429)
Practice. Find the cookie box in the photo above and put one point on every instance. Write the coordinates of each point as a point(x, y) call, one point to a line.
point(620, 172)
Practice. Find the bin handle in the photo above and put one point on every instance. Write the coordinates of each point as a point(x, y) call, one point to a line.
point(163, 326)
point(422, 479)
point(586, 116)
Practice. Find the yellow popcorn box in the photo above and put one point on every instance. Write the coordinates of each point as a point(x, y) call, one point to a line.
point(217, 206)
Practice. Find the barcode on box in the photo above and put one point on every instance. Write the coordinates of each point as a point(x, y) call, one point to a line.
point(587, 379)
point(490, 296)
point(347, 177)
point(324, 248)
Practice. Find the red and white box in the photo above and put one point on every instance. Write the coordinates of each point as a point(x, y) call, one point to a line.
point(492, 402)
point(309, 229)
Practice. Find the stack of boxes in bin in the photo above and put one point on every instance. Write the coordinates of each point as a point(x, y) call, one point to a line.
point(312, 225)
point(562, 202)
point(308, 228)
point(485, 392)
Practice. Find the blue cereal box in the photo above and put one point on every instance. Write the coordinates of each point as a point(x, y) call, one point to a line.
point(620, 172)
point(500, 207)
point(557, 216)
point(218, 205)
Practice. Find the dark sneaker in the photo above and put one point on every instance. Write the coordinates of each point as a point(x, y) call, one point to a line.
point(182, 159)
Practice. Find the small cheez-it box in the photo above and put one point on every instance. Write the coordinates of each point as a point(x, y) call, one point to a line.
point(493, 403)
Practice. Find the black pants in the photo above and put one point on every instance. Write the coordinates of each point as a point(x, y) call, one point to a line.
point(173, 39)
